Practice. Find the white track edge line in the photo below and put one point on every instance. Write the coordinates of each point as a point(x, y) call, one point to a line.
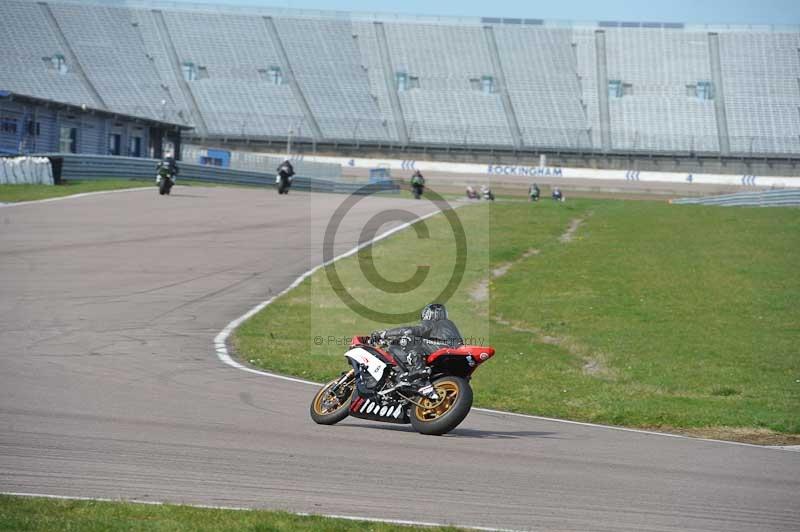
point(246, 509)
point(220, 341)
point(73, 196)
point(220, 345)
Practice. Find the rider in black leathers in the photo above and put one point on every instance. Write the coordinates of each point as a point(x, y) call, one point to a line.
point(286, 169)
point(417, 341)
point(170, 165)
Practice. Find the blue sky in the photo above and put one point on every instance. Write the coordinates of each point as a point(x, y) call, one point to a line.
point(689, 11)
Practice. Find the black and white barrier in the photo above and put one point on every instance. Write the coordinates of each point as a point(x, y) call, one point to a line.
point(528, 173)
point(26, 170)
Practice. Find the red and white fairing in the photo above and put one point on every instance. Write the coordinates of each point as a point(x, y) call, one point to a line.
point(375, 366)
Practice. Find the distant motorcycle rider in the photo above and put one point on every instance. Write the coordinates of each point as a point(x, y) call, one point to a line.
point(534, 192)
point(286, 169)
point(416, 342)
point(284, 177)
point(417, 184)
point(167, 168)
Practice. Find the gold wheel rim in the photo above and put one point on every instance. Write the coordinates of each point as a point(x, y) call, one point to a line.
point(324, 394)
point(429, 410)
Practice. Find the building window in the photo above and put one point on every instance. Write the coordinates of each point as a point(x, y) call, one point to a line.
point(487, 84)
point(614, 88)
point(135, 147)
point(405, 82)
point(189, 71)
point(271, 75)
point(704, 90)
point(8, 125)
point(34, 128)
point(618, 89)
point(401, 80)
point(56, 62)
point(67, 139)
point(115, 144)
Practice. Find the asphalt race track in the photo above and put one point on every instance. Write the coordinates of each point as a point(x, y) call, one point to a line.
point(110, 387)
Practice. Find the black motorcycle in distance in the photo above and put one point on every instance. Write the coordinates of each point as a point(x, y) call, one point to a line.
point(283, 181)
point(165, 179)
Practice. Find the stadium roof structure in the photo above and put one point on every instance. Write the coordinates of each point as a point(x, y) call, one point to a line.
point(150, 122)
point(425, 19)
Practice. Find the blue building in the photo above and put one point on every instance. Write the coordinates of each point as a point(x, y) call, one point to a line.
point(34, 125)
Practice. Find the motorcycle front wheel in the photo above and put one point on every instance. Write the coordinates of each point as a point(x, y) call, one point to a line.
point(440, 416)
point(331, 402)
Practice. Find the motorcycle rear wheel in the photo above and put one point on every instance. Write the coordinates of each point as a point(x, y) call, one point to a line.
point(446, 413)
point(329, 408)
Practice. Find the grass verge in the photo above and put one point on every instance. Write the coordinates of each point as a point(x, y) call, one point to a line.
point(640, 314)
point(25, 514)
point(17, 193)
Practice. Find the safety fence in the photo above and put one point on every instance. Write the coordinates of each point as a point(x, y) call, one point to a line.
point(766, 198)
point(258, 162)
point(94, 167)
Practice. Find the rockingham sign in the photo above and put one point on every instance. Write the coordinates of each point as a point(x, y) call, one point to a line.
point(526, 171)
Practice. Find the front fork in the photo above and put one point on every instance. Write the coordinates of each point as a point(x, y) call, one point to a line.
point(343, 379)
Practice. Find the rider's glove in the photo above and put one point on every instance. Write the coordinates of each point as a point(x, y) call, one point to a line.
point(378, 335)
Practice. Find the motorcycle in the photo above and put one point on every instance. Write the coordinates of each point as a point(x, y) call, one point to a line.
point(471, 193)
point(487, 193)
point(164, 180)
point(283, 183)
point(374, 389)
point(416, 190)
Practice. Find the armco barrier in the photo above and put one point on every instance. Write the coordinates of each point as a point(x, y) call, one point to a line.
point(91, 167)
point(767, 198)
point(257, 162)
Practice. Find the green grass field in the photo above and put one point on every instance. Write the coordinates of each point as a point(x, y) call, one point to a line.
point(23, 514)
point(679, 318)
point(17, 193)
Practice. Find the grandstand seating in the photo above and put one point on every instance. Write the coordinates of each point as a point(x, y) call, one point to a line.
point(345, 90)
point(660, 113)
point(176, 109)
point(234, 99)
point(586, 70)
point(446, 108)
point(26, 39)
point(110, 50)
point(762, 90)
point(326, 61)
point(542, 78)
